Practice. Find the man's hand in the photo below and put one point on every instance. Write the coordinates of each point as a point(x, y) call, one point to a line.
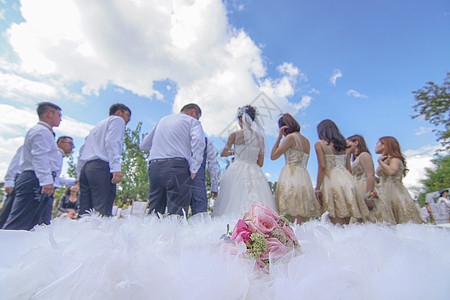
point(48, 189)
point(117, 177)
point(9, 190)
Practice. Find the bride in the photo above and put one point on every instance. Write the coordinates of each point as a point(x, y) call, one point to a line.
point(243, 182)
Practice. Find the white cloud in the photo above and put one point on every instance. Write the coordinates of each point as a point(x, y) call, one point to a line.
point(336, 74)
point(355, 94)
point(133, 44)
point(417, 161)
point(423, 130)
point(18, 87)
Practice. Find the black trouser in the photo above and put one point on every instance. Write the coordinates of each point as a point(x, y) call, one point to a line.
point(170, 185)
point(6, 209)
point(30, 207)
point(96, 190)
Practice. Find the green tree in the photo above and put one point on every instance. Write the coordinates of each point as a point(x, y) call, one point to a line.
point(433, 103)
point(72, 166)
point(134, 184)
point(436, 179)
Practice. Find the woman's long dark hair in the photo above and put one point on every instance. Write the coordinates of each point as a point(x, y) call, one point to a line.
point(289, 121)
point(362, 146)
point(329, 132)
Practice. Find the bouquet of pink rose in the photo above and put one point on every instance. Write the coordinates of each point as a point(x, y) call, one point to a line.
point(266, 235)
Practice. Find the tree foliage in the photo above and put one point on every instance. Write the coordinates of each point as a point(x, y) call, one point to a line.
point(437, 179)
point(134, 184)
point(433, 103)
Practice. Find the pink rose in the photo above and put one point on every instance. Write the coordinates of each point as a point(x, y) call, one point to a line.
point(276, 249)
point(258, 208)
point(289, 233)
point(263, 224)
point(241, 233)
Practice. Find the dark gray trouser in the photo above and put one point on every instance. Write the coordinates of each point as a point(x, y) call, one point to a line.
point(199, 200)
point(7, 206)
point(170, 185)
point(30, 207)
point(96, 190)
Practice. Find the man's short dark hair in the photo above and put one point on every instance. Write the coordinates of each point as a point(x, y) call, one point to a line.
point(62, 138)
point(190, 106)
point(43, 107)
point(118, 106)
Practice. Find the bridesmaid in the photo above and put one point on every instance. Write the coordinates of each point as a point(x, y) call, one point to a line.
point(391, 170)
point(364, 173)
point(294, 192)
point(336, 189)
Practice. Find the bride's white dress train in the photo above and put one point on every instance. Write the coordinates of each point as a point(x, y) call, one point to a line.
point(242, 184)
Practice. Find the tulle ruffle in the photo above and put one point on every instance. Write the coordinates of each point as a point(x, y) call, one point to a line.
point(174, 258)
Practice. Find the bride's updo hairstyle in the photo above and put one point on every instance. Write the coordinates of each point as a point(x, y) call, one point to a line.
point(289, 121)
point(329, 132)
point(249, 110)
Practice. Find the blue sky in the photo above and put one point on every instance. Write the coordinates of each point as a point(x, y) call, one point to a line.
point(355, 62)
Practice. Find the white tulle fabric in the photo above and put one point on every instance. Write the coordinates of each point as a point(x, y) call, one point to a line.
point(243, 183)
point(172, 258)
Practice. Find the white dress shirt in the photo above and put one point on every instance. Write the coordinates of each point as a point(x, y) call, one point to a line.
point(13, 169)
point(40, 153)
point(104, 142)
point(211, 160)
point(60, 181)
point(177, 135)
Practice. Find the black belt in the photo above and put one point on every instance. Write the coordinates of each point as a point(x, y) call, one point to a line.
point(167, 159)
point(32, 171)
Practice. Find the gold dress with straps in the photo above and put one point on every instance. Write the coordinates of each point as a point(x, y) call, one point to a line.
point(381, 212)
point(338, 188)
point(395, 194)
point(294, 193)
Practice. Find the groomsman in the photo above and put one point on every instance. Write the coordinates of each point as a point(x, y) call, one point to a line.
point(65, 147)
point(10, 179)
point(199, 201)
point(176, 147)
point(38, 166)
point(98, 166)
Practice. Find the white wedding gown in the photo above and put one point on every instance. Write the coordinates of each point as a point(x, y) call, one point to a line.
point(243, 183)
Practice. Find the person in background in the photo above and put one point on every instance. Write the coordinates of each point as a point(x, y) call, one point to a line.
point(336, 189)
point(294, 192)
point(10, 179)
point(363, 171)
point(199, 200)
point(176, 146)
point(69, 203)
point(391, 170)
point(99, 168)
point(38, 166)
point(443, 198)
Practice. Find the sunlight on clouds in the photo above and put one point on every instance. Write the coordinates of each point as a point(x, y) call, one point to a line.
point(132, 44)
point(336, 74)
point(417, 161)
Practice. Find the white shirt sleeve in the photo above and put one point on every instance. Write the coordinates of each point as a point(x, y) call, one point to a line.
point(13, 169)
point(197, 146)
point(147, 141)
point(80, 162)
point(40, 153)
point(211, 159)
point(114, 143)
